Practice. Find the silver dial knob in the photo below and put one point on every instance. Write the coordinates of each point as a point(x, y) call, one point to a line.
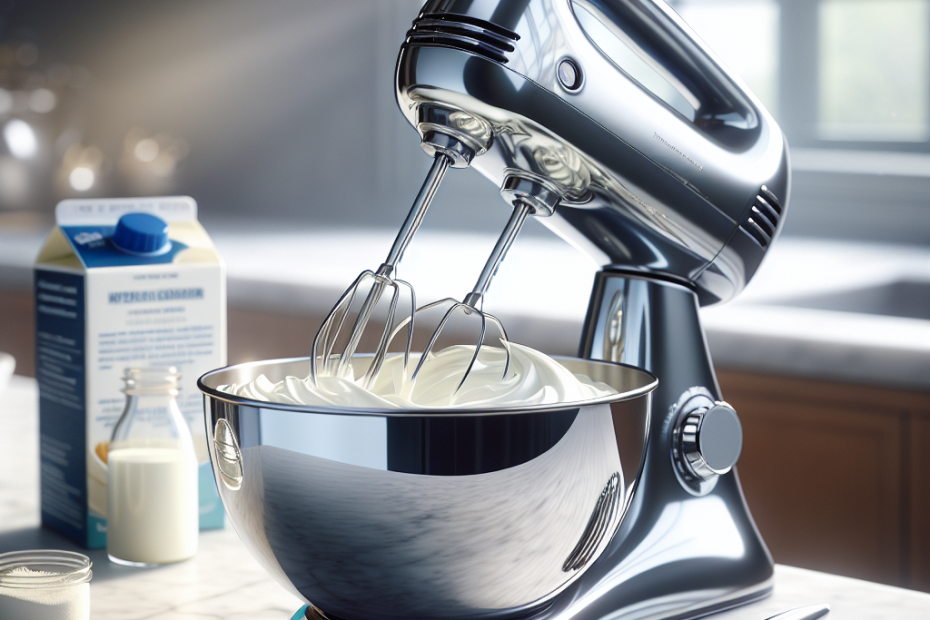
point(711, 440)
point(706, 441)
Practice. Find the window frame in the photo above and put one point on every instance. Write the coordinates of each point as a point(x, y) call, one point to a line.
point(797, 82)
point(875, 191)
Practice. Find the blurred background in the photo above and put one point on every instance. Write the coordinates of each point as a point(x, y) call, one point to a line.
point(279, 116)
point(283, 111)
point(277, 112)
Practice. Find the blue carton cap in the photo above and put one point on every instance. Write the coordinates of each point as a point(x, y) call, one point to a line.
point(141, 233)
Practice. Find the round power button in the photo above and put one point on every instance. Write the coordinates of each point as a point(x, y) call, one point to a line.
point(569, 74)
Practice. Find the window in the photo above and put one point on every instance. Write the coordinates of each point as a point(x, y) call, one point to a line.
point(849, 83)
point(847, 74)
point(874, 62)
point(744, 34)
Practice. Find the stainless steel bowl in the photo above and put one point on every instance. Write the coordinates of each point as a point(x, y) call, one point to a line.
point(426, 514)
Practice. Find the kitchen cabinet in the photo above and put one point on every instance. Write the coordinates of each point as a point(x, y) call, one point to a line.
point(837, 475)
point(919, 517)
point(17, 329)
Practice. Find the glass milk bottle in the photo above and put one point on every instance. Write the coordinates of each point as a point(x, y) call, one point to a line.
point(152, 493)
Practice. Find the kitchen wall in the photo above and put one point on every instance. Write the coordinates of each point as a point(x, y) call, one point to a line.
point(283, 111)
point(280, 111)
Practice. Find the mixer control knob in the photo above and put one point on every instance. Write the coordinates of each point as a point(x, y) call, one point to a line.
point(708, 438)
point(711, 440)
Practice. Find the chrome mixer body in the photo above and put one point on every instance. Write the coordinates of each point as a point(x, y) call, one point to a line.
point(665, 163)
point(672, 176)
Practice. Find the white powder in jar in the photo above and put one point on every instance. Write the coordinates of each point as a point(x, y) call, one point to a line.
point(69, 602)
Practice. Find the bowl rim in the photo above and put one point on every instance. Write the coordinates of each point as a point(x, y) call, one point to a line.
point(632, 394)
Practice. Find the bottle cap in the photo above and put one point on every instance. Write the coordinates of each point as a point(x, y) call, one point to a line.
point(143, 234)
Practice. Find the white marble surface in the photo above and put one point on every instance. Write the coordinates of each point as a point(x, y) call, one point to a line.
point(541, 293)
point(760, 330)
point(223, 581)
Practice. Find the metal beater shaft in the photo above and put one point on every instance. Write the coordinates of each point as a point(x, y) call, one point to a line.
point(472, 303)
point(437, 172)
point(517, 218)
point(327, 335)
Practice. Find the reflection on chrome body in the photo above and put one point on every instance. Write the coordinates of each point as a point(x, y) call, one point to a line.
point(666, 164)
point(600, 523)
point(443, 514)
point(228, 455)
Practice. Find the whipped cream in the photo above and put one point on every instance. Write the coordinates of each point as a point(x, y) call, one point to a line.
point(533, 378)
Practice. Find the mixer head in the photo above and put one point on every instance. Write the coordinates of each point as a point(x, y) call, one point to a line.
point(664, 163)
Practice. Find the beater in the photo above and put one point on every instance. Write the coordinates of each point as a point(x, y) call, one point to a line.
point(453, 138)
point(529, 195)
point(324, 361)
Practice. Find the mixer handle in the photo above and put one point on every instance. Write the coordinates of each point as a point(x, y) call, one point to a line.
point(670, 48)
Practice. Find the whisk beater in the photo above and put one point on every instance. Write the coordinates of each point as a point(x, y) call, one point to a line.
point(470, 308)
point(530, 194)
point(326, 360)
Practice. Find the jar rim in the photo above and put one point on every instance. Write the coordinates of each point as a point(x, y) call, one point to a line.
point(64, 568)
point(151, 379)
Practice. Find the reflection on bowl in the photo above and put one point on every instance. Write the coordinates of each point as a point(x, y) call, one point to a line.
point(443, 514)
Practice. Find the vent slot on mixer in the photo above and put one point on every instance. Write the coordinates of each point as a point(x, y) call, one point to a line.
point(761, 220)
point(465, 33)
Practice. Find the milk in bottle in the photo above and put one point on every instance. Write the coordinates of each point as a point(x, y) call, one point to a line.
point(152, 485)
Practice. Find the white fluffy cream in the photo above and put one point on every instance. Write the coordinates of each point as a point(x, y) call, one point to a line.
point(533, 378)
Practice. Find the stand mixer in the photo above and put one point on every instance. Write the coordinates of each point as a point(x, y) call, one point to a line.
point(610, 121)
point(657, 162)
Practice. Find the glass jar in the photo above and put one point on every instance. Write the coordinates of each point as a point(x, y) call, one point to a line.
point(45, 585)
point(152, 485)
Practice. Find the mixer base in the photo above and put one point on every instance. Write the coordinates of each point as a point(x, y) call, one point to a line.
point(309, 612)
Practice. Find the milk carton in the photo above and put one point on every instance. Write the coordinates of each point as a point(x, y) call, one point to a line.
point(114, 291)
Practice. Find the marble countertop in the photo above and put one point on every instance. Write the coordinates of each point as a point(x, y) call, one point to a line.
point(224, 582)
point(541, 293)
point(763, 330)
